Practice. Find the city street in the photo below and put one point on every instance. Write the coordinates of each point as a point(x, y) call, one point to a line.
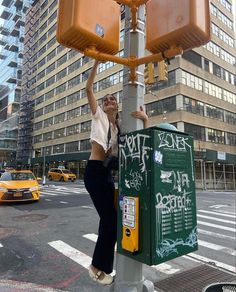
point(50, 243)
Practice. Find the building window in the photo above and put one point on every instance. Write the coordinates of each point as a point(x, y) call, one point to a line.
point(72, 147)
point(58, 148)
point(47, 136)
point(86, 126)
point(197, 132)
point(59, 133)
point(216, 136)
point(71, 130)
point(59, 118)
point(48, 122)
point(193, 106)
point(85, 145)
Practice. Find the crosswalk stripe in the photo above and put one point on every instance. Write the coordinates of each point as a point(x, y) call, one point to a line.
point(217, 247)
point(217, 213)
point(1, 245)
point(207, 260)
point(62, 202)
point(53, 194)
point(216, 226)
point(219, 235)
point(72, 253)
point(216, 219)
point(164, 268)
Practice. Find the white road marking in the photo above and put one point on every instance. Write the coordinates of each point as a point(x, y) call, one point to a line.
point(216, 226)
point(50, 194)
point(217, 206)
point(216, 219)
point(207, 260)
point(217, 213)
point(49, 200)
point(217, 247)
point(72, 253)
point(163, 268)
point(87, 207)
point(219, 235)
point(62, 202)
point(1, 245)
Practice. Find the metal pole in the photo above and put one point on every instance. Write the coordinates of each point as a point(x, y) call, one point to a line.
point(44, 176)
point(129, 273)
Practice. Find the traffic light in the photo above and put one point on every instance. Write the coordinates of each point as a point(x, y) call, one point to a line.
point(149, 74)
point(162, 71)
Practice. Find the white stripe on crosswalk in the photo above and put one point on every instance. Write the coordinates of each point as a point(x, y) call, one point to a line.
point(217, 247)
point(216, 226)
point(52, 194)
point(1, 245)
point(72, 253)
point(216, 219)
point(217, 213)
point(218, 235)
point(163, 268)
point(207, 260)
point(62, 202)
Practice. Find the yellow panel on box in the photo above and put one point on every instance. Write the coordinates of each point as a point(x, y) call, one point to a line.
point(84, 23)
point(171, 23)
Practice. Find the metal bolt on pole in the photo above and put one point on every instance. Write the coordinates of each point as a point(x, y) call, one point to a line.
point(129, 273)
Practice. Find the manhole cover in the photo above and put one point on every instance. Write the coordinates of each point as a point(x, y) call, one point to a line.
point(5, 232)
point(194, 280)
point(30, 217)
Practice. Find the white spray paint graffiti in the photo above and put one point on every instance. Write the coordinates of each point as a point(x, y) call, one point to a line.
point(137, 149)
point(172, 202)
point(169, 246)
point(173, 141)
point(179, 179)
point(135, 181)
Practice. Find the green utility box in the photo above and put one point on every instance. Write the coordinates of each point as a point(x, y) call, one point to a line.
point(157, 202)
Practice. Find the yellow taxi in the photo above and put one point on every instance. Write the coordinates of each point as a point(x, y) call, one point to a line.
point(19, 185)
point(61, 174)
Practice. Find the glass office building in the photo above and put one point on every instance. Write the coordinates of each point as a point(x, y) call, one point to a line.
point(198, 98)
point(11, 55)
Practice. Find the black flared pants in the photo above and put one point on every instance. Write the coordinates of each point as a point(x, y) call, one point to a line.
point(100, 185)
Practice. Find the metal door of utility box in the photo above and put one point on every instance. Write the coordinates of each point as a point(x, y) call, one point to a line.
point(157, 166)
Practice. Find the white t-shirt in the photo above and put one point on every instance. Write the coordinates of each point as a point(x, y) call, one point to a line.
point(99, 131)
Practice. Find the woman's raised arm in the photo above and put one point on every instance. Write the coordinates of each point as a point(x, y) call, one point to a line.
point(89, 88)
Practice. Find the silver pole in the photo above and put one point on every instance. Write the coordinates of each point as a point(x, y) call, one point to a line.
point(129, 273)
point(44, 176)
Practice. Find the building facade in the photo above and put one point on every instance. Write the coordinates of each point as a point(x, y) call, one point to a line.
point(11, 56)
point(198, 98)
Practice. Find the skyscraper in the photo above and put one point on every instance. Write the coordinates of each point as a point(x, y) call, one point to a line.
point(11, 56)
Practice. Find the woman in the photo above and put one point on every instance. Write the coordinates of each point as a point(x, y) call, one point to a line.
point(98, 179)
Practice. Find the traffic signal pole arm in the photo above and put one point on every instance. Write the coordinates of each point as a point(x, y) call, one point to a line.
point(132, 62)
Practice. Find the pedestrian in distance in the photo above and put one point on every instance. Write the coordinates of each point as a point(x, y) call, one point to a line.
point(98, 176)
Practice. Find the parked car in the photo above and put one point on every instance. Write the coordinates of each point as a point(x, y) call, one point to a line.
point(61, 174)
point(19, 186)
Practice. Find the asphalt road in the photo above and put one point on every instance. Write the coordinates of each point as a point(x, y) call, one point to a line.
point(50, 243)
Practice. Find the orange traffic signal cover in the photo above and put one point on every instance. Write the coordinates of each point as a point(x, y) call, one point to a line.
point(85, 23)
point(176, 23)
